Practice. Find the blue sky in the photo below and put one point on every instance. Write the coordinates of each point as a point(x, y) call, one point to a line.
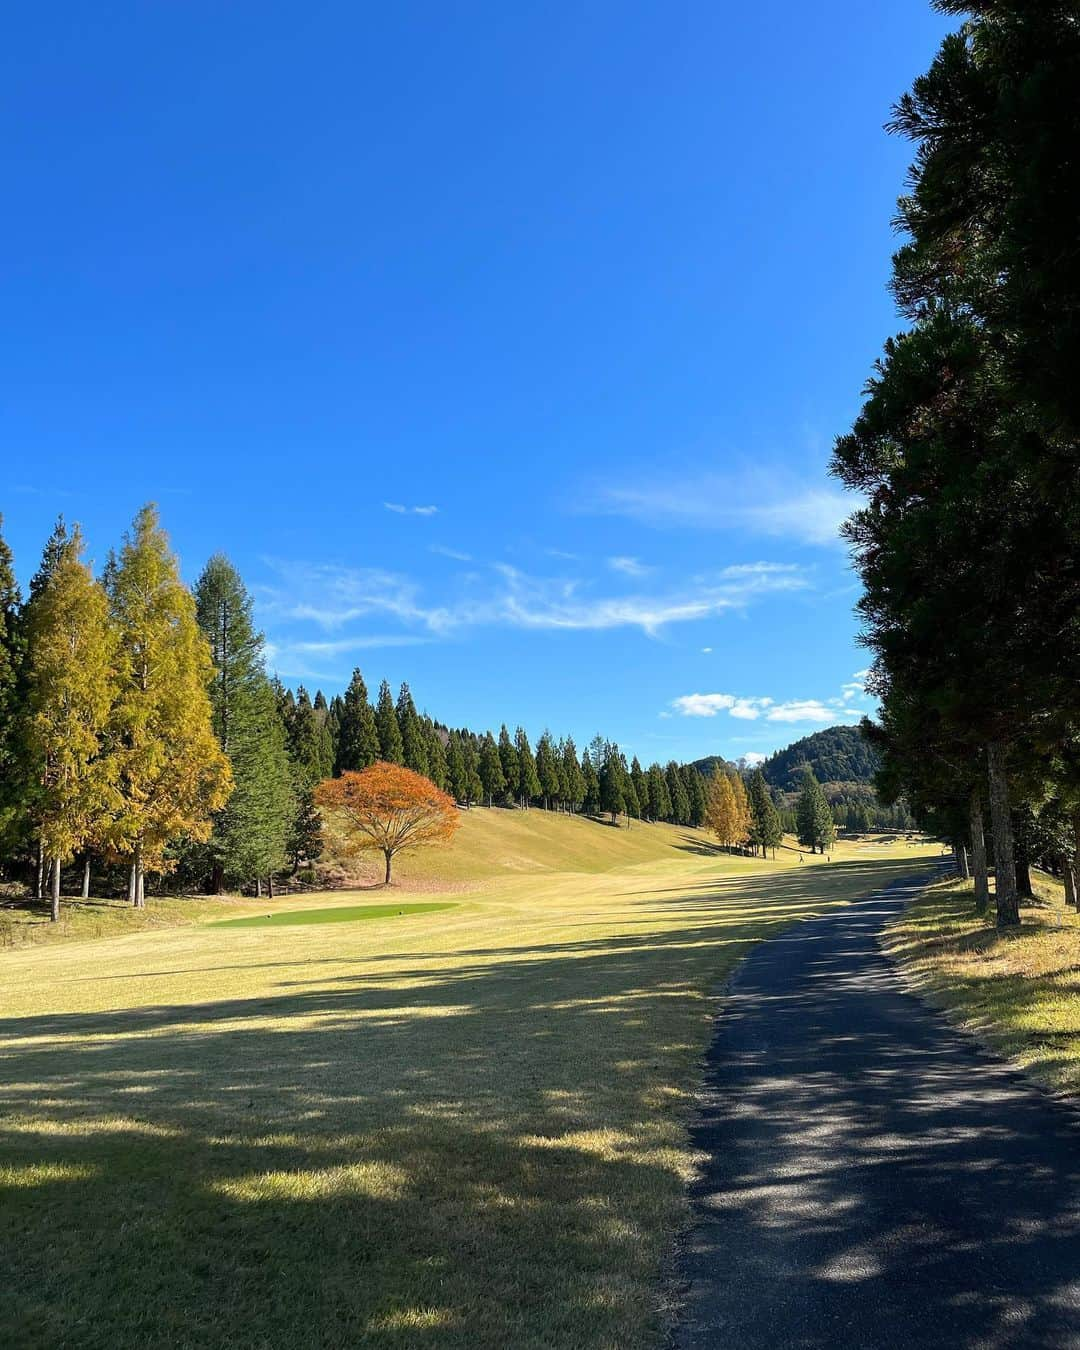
point(500, 346)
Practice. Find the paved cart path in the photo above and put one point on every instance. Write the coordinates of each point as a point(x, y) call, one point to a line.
point(874, 1178)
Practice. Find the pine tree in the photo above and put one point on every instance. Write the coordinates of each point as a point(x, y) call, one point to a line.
point(70, 685)
point(251, 832)
point(765, 830)
point(591, 798)
point(391, 749)
point(11, 648)
point(695, 791)
point(510, 767)
point(493, 783)
point(413, 744)
point(659, 797)
point(325, 732)
point(528, 781)
point(680, 802)
point(547, 769)
point(358, 736)
point(306, 744)
point(474, 787)
point(612, 791)
point(436, 754)
point(573, 781)
point(172, 773)
point(457, 777)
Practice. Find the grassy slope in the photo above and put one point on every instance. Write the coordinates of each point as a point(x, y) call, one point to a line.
point(461, 1129)
point(1020, 991)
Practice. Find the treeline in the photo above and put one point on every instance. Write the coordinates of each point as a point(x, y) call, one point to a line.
point(967, 451)
point(141, 734)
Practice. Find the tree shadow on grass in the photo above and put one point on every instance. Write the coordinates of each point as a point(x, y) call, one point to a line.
point(481, 1155)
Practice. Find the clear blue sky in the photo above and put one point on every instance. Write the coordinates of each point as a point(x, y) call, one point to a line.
point(501, 346)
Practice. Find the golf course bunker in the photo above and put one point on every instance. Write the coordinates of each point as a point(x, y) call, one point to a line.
point(340, 914)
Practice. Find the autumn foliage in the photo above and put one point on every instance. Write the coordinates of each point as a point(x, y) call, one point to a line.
point(385, 809)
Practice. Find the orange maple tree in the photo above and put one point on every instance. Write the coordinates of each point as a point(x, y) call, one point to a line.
point(386, 809)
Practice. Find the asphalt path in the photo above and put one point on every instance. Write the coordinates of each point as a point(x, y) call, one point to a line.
point(873, 1177)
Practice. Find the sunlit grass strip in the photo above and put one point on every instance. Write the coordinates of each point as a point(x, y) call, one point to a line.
point(340, 914)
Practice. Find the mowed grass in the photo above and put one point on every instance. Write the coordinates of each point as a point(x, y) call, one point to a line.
point(1019, 991)
point(452, 1129)
point(285, 918)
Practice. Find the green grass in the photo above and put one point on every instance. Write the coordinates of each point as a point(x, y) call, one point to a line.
point(457, 1134)
point(1018, 991)
point(284, 918)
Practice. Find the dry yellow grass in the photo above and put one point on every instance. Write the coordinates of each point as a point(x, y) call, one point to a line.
point(1020, 991)
point(451, 1130)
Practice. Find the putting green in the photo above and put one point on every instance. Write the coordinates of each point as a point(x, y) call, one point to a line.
point(342, 914)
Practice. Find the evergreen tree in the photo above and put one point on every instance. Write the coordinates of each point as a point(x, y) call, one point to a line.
point(358, 736)
point(457, 778)
point(305, 840)
point(547, 769)
point(641, 788)
point(251, 831)
point(695, 791)
point(765, 829)
point(436, 755)
point(11, 648)
point(612, 791)
point(492, 781)
point(307, 746)
point(572, 778)
point(70, 684)
point(172, 773)
point(813, 817)
point(510, 767)
point(413, 743)
point(680, 802)
point(325, 732)
point(528, 781)
point(591, 797)
point(474, 787)
point(391, 749)
point(633, 804)
point(659, 797)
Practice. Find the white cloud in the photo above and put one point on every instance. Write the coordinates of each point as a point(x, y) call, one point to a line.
point(751, 709)
point(754, 757)
point(401, 510)
point(706, 650)
point(758, 500)
point(630, 567)
point(454, 553)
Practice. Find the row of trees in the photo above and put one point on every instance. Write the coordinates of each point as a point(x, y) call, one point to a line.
point(139, 728)
point(967, 452)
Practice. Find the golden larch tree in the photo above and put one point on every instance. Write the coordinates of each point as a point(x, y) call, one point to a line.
point(385, 809)
point(70, 687)
point(172, 773)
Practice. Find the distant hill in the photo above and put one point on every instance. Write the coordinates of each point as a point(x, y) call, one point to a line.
point(836, 755)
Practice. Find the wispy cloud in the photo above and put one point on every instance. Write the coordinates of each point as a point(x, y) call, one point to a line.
point(631, 567)
point(758, 501)
point(400, 509)
point(333, 597)
point(454, 553)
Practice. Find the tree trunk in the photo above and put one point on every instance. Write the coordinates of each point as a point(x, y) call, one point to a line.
point(1070, 882)
point(1076, 859)
point(389, 855)
point(54, 913)
point(86, 878)
point(1008, 904)
point(270, 885)
point(39, 878)
point(140, 895)
point(978, 855)
point(962, 862)
point(131, 884)
point(258, 888)
point(217, 880)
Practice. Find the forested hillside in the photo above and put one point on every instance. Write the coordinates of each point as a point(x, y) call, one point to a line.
point(836, 755)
